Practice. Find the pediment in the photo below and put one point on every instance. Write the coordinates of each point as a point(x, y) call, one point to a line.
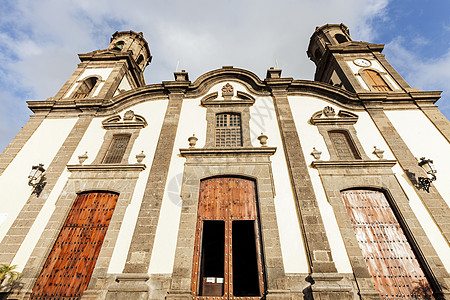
point(129, 120)
point(329, 116)
point(228, 96)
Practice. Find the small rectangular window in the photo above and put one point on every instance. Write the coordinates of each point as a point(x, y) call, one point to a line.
point(117, 149)
point(345, 149)
point(228, 130)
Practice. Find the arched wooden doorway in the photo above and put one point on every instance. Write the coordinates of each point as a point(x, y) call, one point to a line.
point(396, 272)
point(69, 266)
point(227, 254)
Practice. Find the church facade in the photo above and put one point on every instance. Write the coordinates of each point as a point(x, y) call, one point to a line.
point(230, 186)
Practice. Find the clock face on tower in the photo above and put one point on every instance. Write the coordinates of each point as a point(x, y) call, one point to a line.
point(361, 62)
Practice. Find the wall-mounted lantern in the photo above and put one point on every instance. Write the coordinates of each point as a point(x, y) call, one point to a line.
point(427, 165)
point(36, 179)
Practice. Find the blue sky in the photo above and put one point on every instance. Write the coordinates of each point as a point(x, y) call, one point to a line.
point(41, 40)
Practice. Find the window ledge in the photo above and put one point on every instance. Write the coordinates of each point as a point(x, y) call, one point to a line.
point(227, 151)
point(384, 163)
point(107, 167)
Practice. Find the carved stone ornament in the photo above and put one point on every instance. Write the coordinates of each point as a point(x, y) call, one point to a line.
point(329, 116)
point(316, 153)
point(140, 157)
point(227, 90)
point(192, 141)
point(378, 152)
point(128, 116)
point(241, 98)
point(328, 111)
point(130, 120)
point(82, 158)
point(263, 140)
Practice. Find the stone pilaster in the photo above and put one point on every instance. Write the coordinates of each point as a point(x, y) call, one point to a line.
point(21, 226)
point(138, 259)
point(316, 241)
point(19, 141)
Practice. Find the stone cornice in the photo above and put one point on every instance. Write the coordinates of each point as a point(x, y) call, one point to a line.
point(107, 167)
point(382, 163)
point(199, 88)
point(355, 47)
point(227, 151)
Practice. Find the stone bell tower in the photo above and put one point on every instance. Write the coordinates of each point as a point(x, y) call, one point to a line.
point(103, 74)
point(355, 66)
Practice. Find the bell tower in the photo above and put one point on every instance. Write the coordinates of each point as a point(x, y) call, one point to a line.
point(355, 66)
point(103, 74)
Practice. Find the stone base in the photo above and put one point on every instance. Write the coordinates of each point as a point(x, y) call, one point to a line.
point(329, 286)
point(178, 295)
point(128, 286)
point(278, 295)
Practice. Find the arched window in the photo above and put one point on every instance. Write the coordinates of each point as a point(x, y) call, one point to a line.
point(340, 38)
point(376, 81)
point(317, 54)
point(228, 130)
point(119, 45)
point(85, 88)
point(343, 145)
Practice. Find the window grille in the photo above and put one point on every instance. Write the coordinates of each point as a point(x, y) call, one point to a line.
point(345, 149)
point(228, 130)
point(376, 81)
point(117, 149)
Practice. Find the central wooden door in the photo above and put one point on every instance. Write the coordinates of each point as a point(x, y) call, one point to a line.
point(395, 270)
point(227, 255)
point(70, 264)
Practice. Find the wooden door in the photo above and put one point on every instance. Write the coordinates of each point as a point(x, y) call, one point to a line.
point(395, 271)
point(228, 236)
point(70, 264)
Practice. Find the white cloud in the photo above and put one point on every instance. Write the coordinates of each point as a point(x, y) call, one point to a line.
point(425, 74)
point(40, 39)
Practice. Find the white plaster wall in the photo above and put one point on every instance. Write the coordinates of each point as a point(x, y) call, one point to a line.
point(103, 73)
point(124, 85)
point(153, 112)
point(424, 140)
point(302, 109)
point(40, 148)
point(98, 89)
point(27, 247)
point(263, 119)
point(192, 120)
